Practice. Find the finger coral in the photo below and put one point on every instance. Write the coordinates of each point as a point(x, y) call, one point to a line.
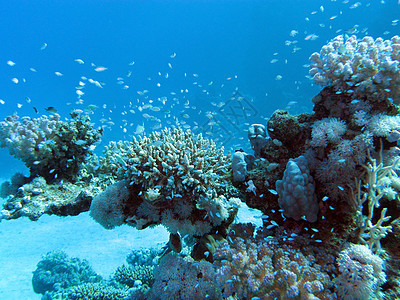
point(296, 191)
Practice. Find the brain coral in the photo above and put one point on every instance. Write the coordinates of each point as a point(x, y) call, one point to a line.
point(360, 67)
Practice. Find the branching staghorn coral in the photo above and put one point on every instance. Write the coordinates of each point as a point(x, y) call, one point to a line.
point(365, 67)
point(372, 188)
point(181, 181)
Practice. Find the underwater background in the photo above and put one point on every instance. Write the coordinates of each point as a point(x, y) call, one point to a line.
point(139, 66)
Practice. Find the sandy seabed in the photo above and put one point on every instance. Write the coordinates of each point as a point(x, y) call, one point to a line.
point(23, 242)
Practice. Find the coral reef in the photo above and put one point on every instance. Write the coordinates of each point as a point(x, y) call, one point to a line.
point(361, 274)
point(336, 174)
point(297, 191)
point(128, 275)
point(360, 67)
point(95, 291)
point(143, 257)
point(287, 129)
point(57, 271)
point(176, 179)
point(49, 147)
point(248, 268)
point(36, 198)
point(177, 278)
point(107, 208)
point(240, 163)
point(257, 137)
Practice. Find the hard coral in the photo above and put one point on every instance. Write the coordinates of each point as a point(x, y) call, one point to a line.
point(56, 271)
point(173, 160)
point(248, 269)
point(178, 279)
point(296, 191)
point(49, 147)
point(180, 178)
point(361, 67)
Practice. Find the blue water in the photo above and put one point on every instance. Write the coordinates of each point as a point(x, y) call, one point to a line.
point(220, 45)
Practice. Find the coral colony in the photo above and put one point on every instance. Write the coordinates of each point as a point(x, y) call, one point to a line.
point(326, 182)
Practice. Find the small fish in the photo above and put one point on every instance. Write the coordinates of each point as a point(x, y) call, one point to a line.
point(173, 55)
point(15, 80)
point(80, 142)
point(58, 74)
point(91, 107)
point(51, 109)
point(139, 129)
point(311, 37)
point(100, 69)
point(35, 109)
point(10, 63)
point(79, 61)
point(273, 192)
point(44, 46)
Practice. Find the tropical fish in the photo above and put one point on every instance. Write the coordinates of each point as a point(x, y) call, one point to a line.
point(79, 61)
point(51, 109)
point(100, 69)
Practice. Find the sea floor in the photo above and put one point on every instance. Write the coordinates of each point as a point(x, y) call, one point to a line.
point(23, 242)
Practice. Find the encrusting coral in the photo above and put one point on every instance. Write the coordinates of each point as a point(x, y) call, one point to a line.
point(35, 198)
